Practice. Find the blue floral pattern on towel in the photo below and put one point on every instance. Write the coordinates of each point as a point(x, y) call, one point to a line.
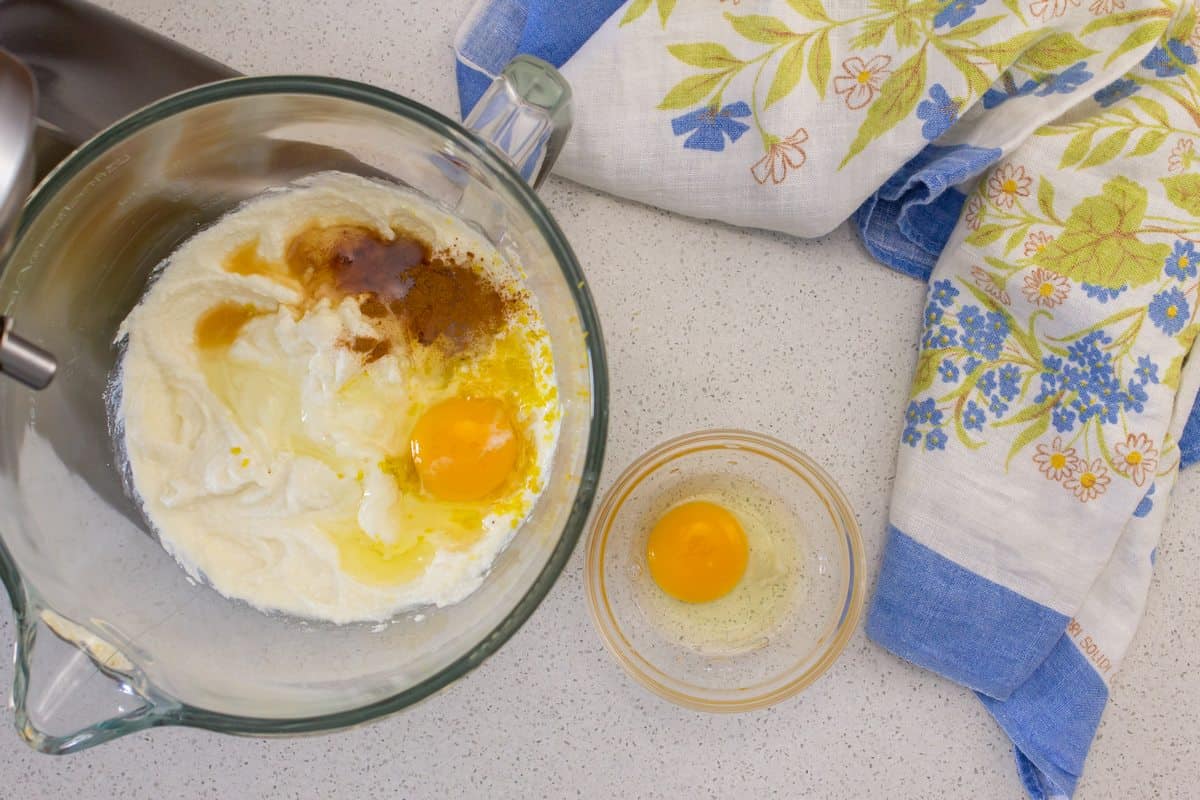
point(709, 126)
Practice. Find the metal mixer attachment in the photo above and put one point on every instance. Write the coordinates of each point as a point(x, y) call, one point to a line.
point(23, 361)
point(91, 65)
point(19, 358)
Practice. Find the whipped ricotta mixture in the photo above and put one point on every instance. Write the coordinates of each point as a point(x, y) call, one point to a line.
point(276, 375)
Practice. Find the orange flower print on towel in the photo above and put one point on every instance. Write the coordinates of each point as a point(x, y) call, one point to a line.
point(986, 281)
point(1048, 9)
point(1046, 289)
point(1057, 462)
point(860, 80)
point(1036, 242)
point(1181, 156)
point(974, 215)
point(782, 155)
point(1006, 183)
point(1090, 482)
point(1136, 458)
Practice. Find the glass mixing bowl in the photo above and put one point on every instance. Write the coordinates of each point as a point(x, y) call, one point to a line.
point(810, 623)
point(113, 636)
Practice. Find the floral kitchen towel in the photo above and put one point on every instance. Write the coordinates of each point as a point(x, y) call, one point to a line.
point(1038, 157)
point(687, 81)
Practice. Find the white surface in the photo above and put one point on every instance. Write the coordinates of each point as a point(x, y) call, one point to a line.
point(705, 325)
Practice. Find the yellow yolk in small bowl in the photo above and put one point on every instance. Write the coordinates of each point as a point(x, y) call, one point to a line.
point(697, 552)
point(464, 449)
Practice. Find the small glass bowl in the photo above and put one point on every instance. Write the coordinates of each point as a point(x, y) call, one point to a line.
point(818, 613)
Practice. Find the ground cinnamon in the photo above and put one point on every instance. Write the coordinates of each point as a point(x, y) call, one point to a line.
point(435, 298)
point(449, 301)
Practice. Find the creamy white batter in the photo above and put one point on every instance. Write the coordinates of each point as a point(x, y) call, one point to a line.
point(253, 466)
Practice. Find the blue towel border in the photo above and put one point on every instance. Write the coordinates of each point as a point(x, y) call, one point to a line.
point(947, 619)
point(1015, 653)
point(1052, 719)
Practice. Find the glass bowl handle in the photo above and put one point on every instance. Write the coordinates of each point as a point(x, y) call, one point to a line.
point(526, 115)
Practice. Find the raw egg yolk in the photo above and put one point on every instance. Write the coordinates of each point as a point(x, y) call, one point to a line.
point(464, 448)
point(697, 552)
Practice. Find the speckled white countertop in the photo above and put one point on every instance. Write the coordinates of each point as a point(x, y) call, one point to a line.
point(706, 325)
